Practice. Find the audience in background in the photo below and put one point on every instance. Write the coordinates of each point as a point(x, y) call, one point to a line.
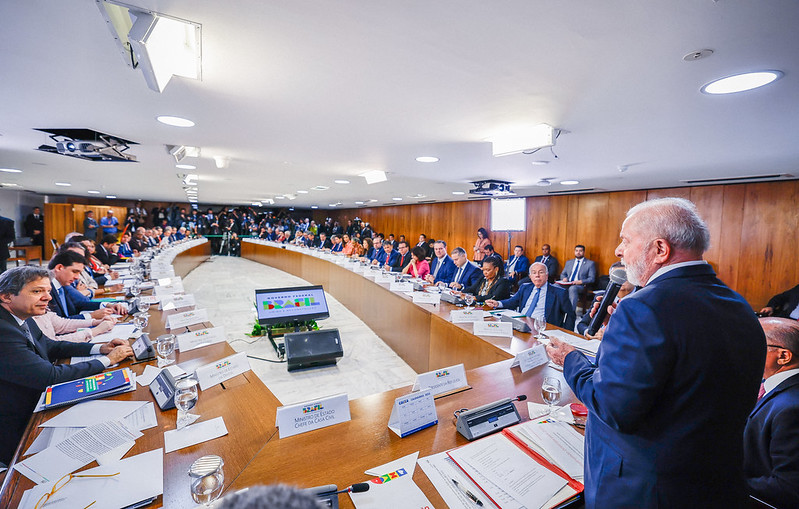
point(783, 305)
point(90, 225)
point(109, 223)
point(480, 245)
point(517, 265)
point(550, 261)
point(34, 226)
point(577, 274)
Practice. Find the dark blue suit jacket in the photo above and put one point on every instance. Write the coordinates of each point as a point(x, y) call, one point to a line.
point(471, 274)
point(76, 302)
point(521, 268)
point(552, 266)
point(676, 376)
point(771, 446)
point(447, 271)
point(558, 310)
point(391, 260)
point(26, 370)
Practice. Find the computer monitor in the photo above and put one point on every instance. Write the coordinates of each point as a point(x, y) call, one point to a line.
point(282, 305)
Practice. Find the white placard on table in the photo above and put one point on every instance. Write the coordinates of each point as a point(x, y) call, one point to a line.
point(193, 434)
point(412, 413)
point(441, 380)
point(501, 329)
point(426, 298)
point(531, 358)
point(149, 299)
point(164, 281)
point(203, 337)
point(168, 289)
point(384, 278)
point(161, 273)
point(221, 370)
point(467, 315)
point(176, 301)
point(401, 286)
point(186, 318)
point(320, 413)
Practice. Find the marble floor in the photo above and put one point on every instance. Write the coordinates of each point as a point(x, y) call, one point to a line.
point(225, 287)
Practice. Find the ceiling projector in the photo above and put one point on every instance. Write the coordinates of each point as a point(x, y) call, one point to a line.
point(491, 188)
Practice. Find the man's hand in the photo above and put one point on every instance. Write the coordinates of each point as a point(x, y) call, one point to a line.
point(101, 313)
point(429, 278)
point(118, 308)
point(558, 350)
point(597, 336)
point(491, 303)
point(119, 353)
point(455, 286)
point(111, 345)
point(767, 311)
point(114, 288)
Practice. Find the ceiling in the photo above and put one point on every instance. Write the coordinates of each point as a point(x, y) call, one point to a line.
point(299, 93)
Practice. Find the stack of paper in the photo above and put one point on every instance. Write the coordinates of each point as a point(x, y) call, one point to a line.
point(557, 442)
point(589, 347)
point(91, 387)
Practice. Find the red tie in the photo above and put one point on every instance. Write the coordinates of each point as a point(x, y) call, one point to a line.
point(762, 391)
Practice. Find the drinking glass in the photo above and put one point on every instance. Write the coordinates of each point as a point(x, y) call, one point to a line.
point(165, 347)
point(186, 395)
point(540, 325)
point(550, 391)
point(207, 479)
point(135, 290)
point(140, 320)
point(441, 286)
point(469, 298)
point(142, 306)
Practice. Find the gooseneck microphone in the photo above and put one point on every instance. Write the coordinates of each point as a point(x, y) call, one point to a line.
point(355, 488)
point(618, 277)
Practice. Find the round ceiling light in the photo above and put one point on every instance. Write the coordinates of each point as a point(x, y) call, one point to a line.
point(427, 159)
point(341, 181)
point(569, 182)
point(741, 82)
point(314, 207)
point(175, 121)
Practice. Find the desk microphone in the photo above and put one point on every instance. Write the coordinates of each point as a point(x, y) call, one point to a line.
point(355, 488)
point(618, 277)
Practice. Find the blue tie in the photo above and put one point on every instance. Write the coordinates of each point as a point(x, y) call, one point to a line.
point(575, 270)
point(63, 300)
point(534, 302)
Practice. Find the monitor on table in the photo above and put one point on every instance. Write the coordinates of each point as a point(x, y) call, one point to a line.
point(286, 305)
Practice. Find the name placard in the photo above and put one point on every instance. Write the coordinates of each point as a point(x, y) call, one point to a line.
point(530, 358)
point(204, 337)
point(168, 289)
point(412, 413)
point(321, 413)
point(221, 370)
point(187, 318)
point(384, 278)
point(341, 260)
point(149, 299)
point(161, 272)
point(176, 301)
point(500, 329)
point(426, 298)
point(441, 380)
point(466, 316)
point(398, 286)
point(164, 281)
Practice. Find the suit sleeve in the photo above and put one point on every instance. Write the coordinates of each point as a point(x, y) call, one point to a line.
point(566, 310)
point(22, 366)
point(634, 364)
point(565, 273)
point(514, 302)
point(783, 483)
point(80, 301)
point(591, 273)
point(778, 301)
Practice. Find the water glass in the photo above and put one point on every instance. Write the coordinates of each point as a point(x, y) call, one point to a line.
point(469, 299)
point(207, 479)
point(550, 392)
point(142, 305)
point(186, 395)
point(135, 290)
point(165, 347)
point(540, 325)
point(140, 320)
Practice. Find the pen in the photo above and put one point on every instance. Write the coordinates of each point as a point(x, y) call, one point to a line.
point(467, 492)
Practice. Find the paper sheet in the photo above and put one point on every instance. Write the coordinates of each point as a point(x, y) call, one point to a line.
point(441, 470)
point(48, 437)
point(399, 493)
point(406, 462)
point(93, 412)
point(120, 330)
point(194, 434)
point(563, 445)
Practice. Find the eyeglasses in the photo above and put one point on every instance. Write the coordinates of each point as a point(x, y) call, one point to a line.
point(63, 482)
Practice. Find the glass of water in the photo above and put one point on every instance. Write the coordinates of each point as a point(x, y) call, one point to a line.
point(165, 347)
point(140, 320)
point(550, 391)
point(207, 479)
point(186, 395)
point(142, 305)
point(135, 290)
point(469, 299)
point(540, 325)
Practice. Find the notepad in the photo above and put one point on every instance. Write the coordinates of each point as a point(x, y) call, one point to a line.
point(91, 387)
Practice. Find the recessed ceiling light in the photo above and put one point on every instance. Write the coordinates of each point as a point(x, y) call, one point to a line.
point(569, 182)
point(175, 121)
point(256, 204)
point(111, 196)
point(63, 184)
point(9, 184)
point(314, 207)
point(427, 159)
point(341, 181)
point(93, 192)
point(374, 176)
point(186, 166)
point(10, 170)
point(280, 197)
point(332, 204)
point(372, 201)
point(458, 193)
point(358, 203)
point(302, 191)
point(397, 198)
point(539, 163)
point(320, 188)
point(741, 82)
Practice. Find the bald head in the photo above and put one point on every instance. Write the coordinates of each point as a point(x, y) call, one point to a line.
point(782, 338)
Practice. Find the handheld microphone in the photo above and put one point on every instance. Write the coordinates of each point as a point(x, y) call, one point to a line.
point(618, 277)
point(355, 488)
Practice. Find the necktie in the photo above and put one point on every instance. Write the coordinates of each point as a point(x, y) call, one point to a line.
point(575, 270)
point(27, 331)
point(458, 275)
point(63, 299)
point(533, 302)
point(438, 266)
point(762, 391)
point(512, 264)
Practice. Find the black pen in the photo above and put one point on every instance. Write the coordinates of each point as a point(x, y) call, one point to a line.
point(467, 492)
point(148, 359)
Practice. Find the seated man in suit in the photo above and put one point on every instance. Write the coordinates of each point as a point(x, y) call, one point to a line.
point(550, 261)
point(125, 249)
point(517, 265)
point(379, 255)
point(67, 302)
point(391, 260)
point(404, 257)
point(466, 273)
point(107, 250)
point(442, 270)
point(578, 272)
point(139, 241)
point(784, 305)
point(771, 436)
point(540, 299)
point(27, 356)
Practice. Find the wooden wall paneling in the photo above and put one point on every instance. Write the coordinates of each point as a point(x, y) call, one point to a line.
point(668, 192)
point(728, 241)
point(709, 201)
point(59, 220)
point(617, 207)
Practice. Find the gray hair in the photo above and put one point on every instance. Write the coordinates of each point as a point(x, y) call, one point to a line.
point(271, 497)
point(674, 219)
point(783, 332)
point(458, 251)
point(13, 280)
point(538, 263)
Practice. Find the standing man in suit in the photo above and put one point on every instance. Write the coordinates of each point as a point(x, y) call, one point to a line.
point(65, 268)
point(771, 436)
point(466, 273)
point(7, 236)
point(442, 268)
point(675, 378)
point(517, 265)
point(34, 226)
point(784, 305)
point(404, 257)
point(27, 355)
point(550, 261)
point(540, 299)
point(578, 272)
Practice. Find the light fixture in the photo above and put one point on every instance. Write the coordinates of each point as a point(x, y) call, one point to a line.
point(256, 204)
point(302, 191)
point(63, 184)
point(372, 201)
point(221, 161)
point(427, 159)
point(374, 176)
point(741, 82)
point(458, 193)
point(186, 166)
point(93, 192)
point(358, 203)
point(314, 207)
point(522, 140)
point(280, 197)
point(10, 170)
point(164, 47)
point(9, 184)
point(174, 121)
point(320, 188)
point(332, 204)
point(397, 198)
point(544, 182)
point(539, 163)
point(569, 182)
point(341, 181)
point(111, 196)
point(190, 179)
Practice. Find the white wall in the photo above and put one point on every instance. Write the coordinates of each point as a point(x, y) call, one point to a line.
point(18, 204)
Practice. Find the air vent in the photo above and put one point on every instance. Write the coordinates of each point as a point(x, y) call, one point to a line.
point(320, 188)
point(572, 191)
point(426, 201)
point(727, 180)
